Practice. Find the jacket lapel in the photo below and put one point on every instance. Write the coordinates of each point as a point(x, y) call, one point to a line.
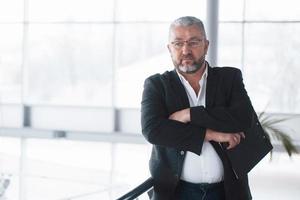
point(211, 86)
point(179, 90)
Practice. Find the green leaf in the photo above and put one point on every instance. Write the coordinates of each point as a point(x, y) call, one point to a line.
point(270, 126)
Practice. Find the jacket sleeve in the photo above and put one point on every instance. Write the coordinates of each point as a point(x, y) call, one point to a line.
point(158, 129)
point(236, 116)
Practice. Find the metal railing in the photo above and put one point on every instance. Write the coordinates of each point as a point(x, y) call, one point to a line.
point(137, 191)
point(4, 183)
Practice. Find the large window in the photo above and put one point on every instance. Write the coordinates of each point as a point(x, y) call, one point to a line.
point(98, 53)
point(84, 53)
point(260, 38)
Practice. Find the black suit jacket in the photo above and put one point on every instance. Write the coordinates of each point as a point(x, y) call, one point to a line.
point(228, 109)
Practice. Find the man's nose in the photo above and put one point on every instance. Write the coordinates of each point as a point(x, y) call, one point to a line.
point(186, 49)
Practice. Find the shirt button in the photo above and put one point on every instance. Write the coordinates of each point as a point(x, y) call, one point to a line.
point(182, 153)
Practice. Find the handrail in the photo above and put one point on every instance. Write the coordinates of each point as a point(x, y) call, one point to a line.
point(137, 191)
point(4, 183)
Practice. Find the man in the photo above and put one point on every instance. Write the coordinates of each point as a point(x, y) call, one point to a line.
point(192, 116)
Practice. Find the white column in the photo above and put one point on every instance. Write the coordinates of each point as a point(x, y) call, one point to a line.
point(212, 24)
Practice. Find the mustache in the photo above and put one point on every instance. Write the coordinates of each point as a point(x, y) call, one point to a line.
point(187, 57)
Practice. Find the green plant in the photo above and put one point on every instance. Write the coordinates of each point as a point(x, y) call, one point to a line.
point(276, 133)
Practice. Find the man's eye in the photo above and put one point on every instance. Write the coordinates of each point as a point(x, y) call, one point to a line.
point(194, 43)
point(178, 44)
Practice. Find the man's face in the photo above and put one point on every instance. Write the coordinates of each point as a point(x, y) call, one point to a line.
point(188, 47)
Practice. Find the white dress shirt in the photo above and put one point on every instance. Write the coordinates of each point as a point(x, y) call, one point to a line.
point(208, 167)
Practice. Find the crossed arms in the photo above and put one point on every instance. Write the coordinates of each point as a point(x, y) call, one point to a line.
point(186, 129)
point(232, 139)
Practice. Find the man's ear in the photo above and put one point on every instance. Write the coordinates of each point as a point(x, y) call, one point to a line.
point(168, 46)
point(206, 46)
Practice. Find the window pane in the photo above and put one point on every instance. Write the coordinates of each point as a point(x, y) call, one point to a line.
point(157, 10)
point(130, 120)
point(231, 10)
point(137, 42)
point(141, 51)
point(10, 62)
point(230, 45)
point(272, 10)
point(69, 64)
point(73, 118)
point(11, 10)
point(70, 10)
point(272, 66)
point(11, 115)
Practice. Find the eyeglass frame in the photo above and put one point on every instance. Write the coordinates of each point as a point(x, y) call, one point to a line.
point(180, 43)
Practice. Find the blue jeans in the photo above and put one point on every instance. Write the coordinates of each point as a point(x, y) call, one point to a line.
point(202, 191)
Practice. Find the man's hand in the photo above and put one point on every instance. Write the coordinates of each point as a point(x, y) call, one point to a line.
point(181, 115)
point(232, 139)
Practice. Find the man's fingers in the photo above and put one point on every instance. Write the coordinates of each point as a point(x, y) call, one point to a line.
point(232, 143)
point(171, 116)
point(181, 115)
point(234, 139)
point(237, 138)
point(243, 135)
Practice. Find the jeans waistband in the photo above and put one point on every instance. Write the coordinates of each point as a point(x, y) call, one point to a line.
point(204, 186)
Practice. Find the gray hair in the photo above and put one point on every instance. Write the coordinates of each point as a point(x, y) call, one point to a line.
point(188, 21)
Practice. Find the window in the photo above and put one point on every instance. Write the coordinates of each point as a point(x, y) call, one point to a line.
point(259, 37)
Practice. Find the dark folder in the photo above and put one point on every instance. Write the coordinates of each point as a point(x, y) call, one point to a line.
point(251, 150)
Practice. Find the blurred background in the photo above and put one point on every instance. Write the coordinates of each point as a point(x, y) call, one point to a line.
point(71, 79)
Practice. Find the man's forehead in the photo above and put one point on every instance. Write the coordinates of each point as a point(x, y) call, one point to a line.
point(183, 32)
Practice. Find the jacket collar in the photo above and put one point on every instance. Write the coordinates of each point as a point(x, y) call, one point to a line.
point(211, 86)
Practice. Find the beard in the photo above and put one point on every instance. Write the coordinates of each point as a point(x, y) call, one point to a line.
point(190, 69)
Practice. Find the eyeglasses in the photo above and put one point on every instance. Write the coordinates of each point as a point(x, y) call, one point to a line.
point(190, 43)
